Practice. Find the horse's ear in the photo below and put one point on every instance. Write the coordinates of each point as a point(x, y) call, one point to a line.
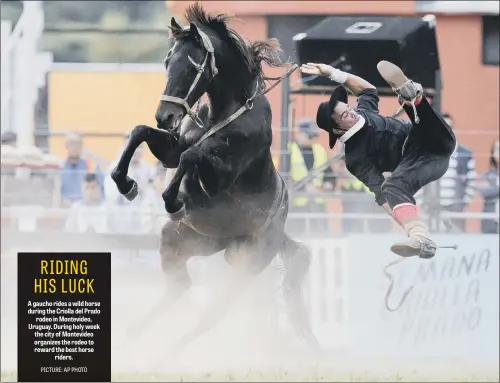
point(174, 24)
point(193, 29)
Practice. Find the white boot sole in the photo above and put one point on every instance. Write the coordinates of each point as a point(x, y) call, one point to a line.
point(392, 74)
point(405, 250)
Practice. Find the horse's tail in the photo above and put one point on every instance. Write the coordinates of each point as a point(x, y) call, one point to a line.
point(269, 51)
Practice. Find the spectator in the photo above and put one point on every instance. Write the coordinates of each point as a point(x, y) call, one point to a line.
point(306, 155)
point(73, 170)
point(456, 187)
point(124, 214)
point(88, 214)
point(488, 189)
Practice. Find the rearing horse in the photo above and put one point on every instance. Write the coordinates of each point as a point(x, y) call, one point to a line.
point(226, 193)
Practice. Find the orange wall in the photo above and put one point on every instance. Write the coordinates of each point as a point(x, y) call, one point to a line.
point(470, 89)
point(258, 8)
point(107, 102)
point(116, 102)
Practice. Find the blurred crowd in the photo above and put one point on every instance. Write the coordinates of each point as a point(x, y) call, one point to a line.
point(83, 189)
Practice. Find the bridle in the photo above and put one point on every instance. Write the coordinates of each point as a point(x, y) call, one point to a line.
point(210, 55)
point(200, 68)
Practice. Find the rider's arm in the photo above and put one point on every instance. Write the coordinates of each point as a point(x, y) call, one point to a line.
point(356, 84)
point(352, 82)
point(367, 94)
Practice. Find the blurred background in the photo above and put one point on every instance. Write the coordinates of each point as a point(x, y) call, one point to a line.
point(77, 76)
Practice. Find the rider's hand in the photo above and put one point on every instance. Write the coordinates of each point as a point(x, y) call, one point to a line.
point(317, 69)
point(326, 71)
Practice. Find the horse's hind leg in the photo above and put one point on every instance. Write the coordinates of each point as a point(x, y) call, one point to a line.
point(248, 256)
point(178, 244)
point(296, 260)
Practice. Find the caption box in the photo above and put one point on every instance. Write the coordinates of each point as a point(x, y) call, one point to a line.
point(64, 317)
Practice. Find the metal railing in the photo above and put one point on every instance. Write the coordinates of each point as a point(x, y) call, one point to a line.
point(146, 221)
point(341, 210)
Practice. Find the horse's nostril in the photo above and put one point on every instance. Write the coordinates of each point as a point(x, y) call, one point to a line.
point(169, 119)
point(177, 121)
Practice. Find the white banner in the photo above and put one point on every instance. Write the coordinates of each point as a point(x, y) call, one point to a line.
point(452, 312)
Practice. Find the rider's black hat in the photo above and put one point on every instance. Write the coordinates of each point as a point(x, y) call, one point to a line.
point(324, 115)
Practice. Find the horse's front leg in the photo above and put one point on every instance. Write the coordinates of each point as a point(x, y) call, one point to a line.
point(215, 174)
point(173, 205)
point(141, 133)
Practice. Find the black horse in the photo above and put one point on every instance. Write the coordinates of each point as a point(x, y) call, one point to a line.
point(226, 192)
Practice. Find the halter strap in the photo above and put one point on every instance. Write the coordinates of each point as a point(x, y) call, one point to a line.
point(207, 44)
point(248, 106)
point(183, 102)
point(210, 53)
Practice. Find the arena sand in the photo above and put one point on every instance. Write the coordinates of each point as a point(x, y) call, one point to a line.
point(246, 346)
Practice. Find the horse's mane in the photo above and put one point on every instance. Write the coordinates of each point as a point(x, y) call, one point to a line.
point(251, 53)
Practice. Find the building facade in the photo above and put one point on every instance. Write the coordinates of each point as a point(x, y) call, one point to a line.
point(467, 38)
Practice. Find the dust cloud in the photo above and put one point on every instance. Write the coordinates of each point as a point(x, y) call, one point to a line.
point(253, 342)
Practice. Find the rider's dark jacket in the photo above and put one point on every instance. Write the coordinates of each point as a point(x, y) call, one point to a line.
point(375, 144)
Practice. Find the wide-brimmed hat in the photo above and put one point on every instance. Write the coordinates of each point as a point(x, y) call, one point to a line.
point(324, 115)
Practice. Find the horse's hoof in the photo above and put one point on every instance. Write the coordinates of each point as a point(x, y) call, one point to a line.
point(178, 215)
point(133, 192)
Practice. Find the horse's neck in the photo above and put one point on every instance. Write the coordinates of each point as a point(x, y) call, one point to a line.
point(225, 99)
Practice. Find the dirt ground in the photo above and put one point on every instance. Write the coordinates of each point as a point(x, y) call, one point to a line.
point(246, 346)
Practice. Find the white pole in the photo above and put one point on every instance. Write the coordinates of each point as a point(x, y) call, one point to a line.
point(6, 76)
point(26, 74)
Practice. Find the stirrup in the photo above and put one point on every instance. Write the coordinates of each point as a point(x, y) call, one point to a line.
point(410, 102)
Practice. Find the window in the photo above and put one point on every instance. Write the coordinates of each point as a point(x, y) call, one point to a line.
point(491, 40)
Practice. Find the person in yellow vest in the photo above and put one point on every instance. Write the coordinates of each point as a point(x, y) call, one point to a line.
point(307, 154)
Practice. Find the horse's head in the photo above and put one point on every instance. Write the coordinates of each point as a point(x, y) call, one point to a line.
point(190, 66)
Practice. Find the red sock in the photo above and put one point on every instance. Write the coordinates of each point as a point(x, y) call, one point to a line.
point(405, 212)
